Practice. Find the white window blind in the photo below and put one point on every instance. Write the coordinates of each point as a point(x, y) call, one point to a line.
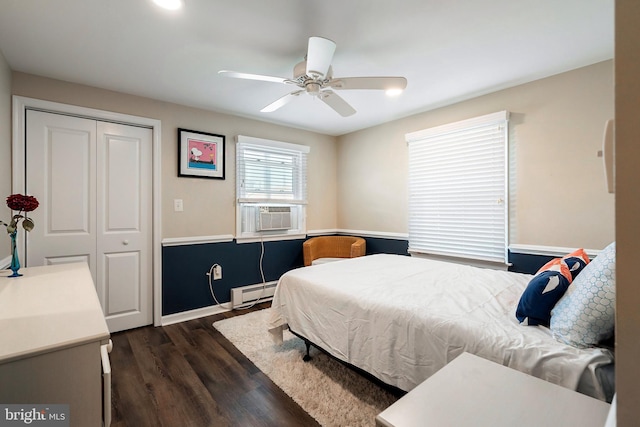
point(270, 171)
point(458, 189)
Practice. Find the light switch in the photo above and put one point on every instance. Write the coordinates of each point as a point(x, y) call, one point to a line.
point(177, 205)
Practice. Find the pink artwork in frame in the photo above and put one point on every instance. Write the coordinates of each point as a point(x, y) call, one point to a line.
point(201, 154)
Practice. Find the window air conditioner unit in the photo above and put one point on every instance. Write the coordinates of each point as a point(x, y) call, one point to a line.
point(273, 218)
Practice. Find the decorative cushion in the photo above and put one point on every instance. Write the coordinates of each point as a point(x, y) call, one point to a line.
point(576, 261)
point(585, 315)
point(543, 292)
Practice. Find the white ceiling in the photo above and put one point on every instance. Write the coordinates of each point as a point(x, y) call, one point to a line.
point(449, 50)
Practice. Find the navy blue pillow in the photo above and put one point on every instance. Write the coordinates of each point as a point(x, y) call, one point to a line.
point(575, 264)
point(540, 296)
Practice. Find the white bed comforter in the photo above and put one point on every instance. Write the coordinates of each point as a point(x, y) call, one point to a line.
point(403, 318)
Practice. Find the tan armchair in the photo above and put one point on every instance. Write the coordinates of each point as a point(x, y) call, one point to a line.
point(332, 247)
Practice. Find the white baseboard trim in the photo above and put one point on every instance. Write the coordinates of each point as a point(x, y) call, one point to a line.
point(194, 314)
point(555, 251)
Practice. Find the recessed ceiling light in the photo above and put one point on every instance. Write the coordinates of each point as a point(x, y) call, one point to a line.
point(393, 92)
point(169, 4)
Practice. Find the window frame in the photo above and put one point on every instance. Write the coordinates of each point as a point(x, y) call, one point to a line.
point(247, 206)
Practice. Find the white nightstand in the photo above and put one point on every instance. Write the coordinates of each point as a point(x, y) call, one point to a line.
point(471, 391)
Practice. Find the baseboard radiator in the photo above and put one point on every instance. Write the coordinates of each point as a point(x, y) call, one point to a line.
point(247, 295)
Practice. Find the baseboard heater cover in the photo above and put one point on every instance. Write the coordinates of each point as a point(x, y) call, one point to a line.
point(249, 294)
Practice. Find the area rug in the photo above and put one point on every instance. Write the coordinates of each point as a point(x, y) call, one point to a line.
point(330, 392)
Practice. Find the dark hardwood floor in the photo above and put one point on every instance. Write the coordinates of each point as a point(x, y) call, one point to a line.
point(188, 374)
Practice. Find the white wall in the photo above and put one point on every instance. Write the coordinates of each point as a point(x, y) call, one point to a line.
point(5, 152)
point(209, 207)
point(556, 130)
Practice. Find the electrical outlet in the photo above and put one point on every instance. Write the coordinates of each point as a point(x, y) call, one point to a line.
point(217, 272)
point(177, 205)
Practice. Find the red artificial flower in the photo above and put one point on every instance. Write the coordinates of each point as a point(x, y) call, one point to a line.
point(19, 202)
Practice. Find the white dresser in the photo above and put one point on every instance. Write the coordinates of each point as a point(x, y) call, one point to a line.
point(54, 342)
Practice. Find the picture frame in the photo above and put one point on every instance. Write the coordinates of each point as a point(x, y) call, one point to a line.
point(201, 154)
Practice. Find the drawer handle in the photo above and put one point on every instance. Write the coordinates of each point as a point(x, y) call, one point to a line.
point(106, 375)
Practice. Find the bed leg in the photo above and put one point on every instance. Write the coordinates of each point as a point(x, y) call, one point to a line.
point(307, 356)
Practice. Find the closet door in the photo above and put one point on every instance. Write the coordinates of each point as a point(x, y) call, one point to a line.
point(124, 223)
point(60, 173)
point(93, 181)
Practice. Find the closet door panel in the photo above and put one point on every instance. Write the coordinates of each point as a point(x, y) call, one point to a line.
point(61, 152)
point(124, 224)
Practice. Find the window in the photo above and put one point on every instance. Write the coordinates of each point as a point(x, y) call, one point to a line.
point(458, 189)
point(271, 187)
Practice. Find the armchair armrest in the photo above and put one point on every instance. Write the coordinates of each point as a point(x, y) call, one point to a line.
point(358, 248)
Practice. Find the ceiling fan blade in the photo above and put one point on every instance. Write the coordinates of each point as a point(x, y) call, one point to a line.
point(281, 102)
point(341, 106)
point(319, 56)
point(247, 76)
point(381, 83)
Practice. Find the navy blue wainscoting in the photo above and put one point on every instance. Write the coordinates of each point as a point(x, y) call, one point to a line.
point(520, 263)
point(527, 263)
point(185, 285)
point(377, 245)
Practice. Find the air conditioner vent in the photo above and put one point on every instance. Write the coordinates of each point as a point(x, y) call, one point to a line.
point(273, 218)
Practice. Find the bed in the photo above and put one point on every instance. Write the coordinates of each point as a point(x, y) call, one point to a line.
point(402, 318)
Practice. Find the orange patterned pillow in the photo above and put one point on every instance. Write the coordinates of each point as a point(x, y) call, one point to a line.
point(559, 265)
point(572, 265)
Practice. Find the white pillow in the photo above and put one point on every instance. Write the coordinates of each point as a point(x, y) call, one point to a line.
point(585, 315)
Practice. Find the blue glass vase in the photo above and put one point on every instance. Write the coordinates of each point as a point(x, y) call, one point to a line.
point(15, 262)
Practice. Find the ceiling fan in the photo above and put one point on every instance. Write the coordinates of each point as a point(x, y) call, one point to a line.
point(314, 76)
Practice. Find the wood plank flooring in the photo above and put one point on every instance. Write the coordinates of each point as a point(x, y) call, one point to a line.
point(189, 375)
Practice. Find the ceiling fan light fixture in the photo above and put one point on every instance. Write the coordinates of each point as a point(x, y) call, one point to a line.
point(169, 4)
point(313, 88)
point(314, 76)
point(394, 91)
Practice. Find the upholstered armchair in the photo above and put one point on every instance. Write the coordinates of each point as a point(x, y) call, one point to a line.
point(331, 247)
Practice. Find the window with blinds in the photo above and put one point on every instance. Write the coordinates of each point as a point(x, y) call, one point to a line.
point(458, 189)
point(270, 175)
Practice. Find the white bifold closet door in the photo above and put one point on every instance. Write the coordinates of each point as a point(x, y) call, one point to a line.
point(93, 180)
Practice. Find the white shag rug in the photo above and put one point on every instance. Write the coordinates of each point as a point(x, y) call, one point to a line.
point(329, 391)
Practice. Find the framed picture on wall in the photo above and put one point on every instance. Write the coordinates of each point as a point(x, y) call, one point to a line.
point(200, 154)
